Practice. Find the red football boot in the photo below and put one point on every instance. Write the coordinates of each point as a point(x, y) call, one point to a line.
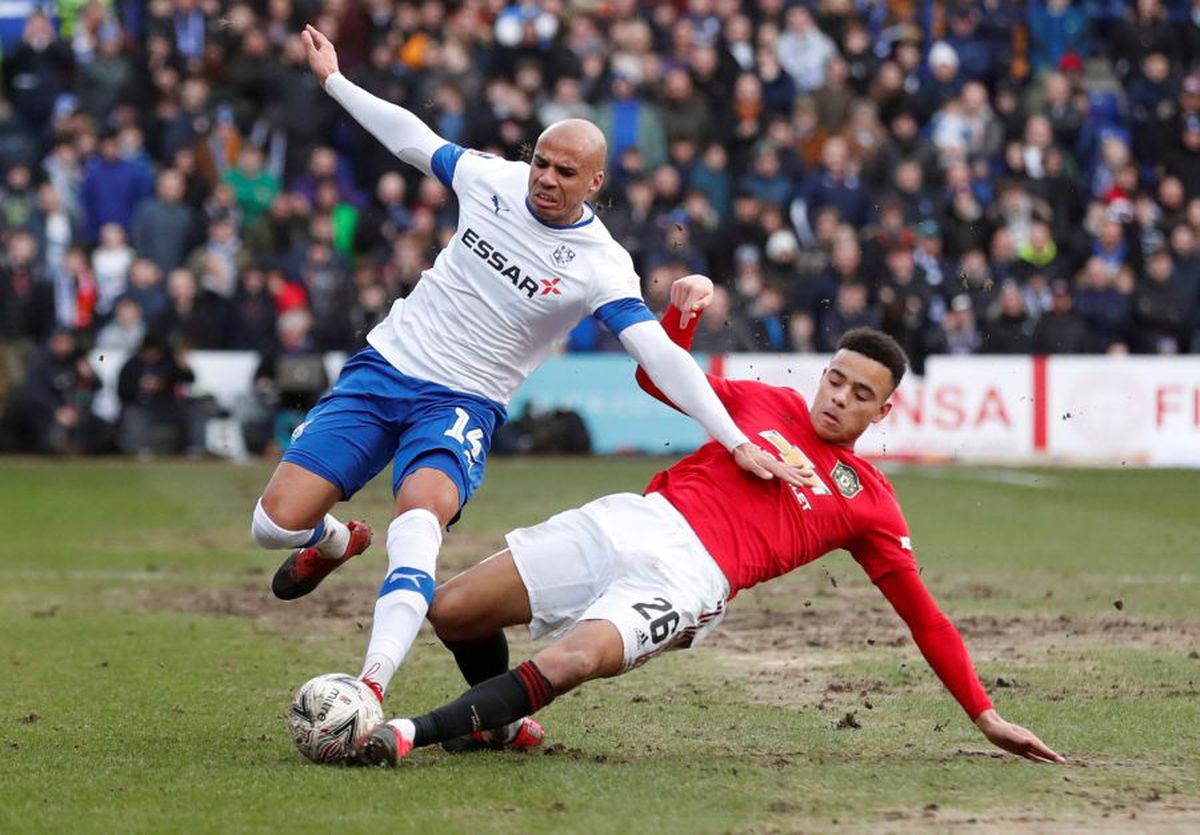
point(304, 570)
point(529, 734)
point(384, 748)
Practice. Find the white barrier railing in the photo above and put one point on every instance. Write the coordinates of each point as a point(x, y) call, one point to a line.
point(1133, 410)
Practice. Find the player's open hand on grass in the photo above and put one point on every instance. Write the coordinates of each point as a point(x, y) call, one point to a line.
point(1015, 739)
point(322, 57)
point(690, 295)
point(754, 459)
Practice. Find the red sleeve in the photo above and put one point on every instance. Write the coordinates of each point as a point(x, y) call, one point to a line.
point(935, 635)
point(682, 336)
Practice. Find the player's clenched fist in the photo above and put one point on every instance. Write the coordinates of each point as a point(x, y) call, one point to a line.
point(322, 57)
point(690, 295)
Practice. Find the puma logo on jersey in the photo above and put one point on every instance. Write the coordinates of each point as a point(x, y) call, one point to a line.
point(498, 261)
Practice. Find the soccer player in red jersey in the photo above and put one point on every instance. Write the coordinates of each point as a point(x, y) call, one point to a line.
point(627, 577)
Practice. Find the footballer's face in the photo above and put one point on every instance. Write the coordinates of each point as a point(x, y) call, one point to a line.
point(567, 168)
point(853, 394)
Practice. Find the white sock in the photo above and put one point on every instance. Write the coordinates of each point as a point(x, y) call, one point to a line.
point(406, 728)
point(331, 541)
point(413, 541)
point(336, 539)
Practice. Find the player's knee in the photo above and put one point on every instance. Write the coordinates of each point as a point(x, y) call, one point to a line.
point(452, 616)
point(270, 532)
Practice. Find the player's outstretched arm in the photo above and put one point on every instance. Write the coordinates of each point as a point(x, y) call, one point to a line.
point(944, 650)
point(400, 130)
point(675, 374)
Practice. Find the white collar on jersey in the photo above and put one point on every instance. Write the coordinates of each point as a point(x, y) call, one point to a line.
point(589, 214)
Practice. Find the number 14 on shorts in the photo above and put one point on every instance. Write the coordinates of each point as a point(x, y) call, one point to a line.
point(471, 440)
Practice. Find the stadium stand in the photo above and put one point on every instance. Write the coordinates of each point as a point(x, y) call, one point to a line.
point(973, 177)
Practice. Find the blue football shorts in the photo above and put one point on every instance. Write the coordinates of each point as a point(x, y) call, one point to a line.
point(375, 414)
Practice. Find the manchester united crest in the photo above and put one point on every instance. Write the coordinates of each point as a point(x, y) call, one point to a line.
point(846, 480)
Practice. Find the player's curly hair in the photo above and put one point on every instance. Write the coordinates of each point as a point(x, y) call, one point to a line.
point(877, 345)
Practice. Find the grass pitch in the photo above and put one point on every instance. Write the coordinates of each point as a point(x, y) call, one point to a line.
point(146, 670)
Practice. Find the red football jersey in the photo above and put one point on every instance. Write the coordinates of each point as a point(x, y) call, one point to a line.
point(757, 530)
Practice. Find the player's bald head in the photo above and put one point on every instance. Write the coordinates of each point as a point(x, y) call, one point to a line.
point(566, 170)
point(578, 137)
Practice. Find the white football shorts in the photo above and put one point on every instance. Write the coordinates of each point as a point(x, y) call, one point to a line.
point(630, 560)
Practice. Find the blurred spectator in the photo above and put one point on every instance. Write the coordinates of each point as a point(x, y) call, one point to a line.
point(163, 225)
point(158, 417)
point(124, 333)
point(112, 187)
point(1057, 28)
point(36, 72)
point(111, 261)
point(253, 187)
point(1009, 328)
point(290, 379)
point(55, 407)
point(958, 160)
point(1060, 330)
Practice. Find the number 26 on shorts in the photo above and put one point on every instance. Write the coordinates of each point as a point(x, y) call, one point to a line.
point(471, 440)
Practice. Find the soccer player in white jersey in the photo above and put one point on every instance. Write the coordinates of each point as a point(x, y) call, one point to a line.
point(529, 260)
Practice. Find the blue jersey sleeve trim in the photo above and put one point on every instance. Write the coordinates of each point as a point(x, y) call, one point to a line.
point(444, 161)
point(622, 313)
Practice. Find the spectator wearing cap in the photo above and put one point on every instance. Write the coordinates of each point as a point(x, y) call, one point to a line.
point(1057, 28)
point(941, 82)
point(1060, 330)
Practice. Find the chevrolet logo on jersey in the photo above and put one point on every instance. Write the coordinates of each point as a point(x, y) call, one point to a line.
point(498, 261)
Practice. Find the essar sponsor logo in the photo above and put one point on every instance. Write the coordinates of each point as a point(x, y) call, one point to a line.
point(502, 264)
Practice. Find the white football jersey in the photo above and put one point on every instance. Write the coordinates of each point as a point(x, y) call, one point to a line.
point(507, 289)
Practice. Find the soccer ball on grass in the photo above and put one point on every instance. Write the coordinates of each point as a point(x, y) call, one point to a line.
point(330, 714)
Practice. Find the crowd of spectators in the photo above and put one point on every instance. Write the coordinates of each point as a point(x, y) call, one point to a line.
point(973, 176)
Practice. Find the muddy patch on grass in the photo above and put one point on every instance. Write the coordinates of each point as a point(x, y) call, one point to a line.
point(856, 626)
point(255, 602)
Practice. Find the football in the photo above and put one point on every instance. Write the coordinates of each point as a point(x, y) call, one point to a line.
point(330, 714)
